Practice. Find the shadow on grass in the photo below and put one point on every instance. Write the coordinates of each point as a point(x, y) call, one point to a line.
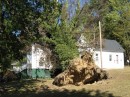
point(27, 89)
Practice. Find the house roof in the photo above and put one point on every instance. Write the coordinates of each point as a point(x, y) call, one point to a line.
point(111, 46)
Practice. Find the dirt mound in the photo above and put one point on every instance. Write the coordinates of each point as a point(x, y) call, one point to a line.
point(80, 71)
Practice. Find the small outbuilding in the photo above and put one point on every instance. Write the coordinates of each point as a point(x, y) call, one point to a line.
point(39, 61)
point(112, 55)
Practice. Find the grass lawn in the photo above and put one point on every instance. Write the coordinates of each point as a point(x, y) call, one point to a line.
point(118, 85)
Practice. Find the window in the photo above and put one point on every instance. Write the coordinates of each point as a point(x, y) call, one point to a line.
point(96, 57)
point(42, 61)
point(117, 59)
point(110, 57)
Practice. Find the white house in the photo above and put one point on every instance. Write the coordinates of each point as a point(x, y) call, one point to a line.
point(83, 45)
point(112, 53)
point(38, 63)
point(39, 58)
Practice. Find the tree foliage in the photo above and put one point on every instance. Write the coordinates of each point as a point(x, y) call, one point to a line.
point(117, 23)
point(56, 24)
point(25, 22)
point(114, 17)
point(64, 38)
point(22, 23)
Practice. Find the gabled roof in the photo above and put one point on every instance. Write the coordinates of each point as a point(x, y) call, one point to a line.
point(110, 46)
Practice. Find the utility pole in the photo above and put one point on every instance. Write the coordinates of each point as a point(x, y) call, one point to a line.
point(100, 42)
point(94, 40)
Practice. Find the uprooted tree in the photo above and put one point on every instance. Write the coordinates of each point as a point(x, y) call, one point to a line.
point(81, 71)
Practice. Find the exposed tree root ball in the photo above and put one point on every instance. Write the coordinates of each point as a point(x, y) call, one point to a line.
point(80, 71)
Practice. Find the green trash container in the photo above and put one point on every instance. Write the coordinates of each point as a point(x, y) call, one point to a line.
point(40, 73)
point(47, 73)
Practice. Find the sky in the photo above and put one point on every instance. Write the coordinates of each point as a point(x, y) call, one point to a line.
point(72, 6)
point(82, 2)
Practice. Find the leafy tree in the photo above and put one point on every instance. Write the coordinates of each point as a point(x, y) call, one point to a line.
point(65, 43)
point(117, 23)
point(25, 22)
point(22, 23)
point(114, 16)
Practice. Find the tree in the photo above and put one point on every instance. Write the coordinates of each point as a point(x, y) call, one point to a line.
point(65, 43)
point(117, 23)
point(22, 23)
point(114, 16)
point(29, 21)
point(86, 20)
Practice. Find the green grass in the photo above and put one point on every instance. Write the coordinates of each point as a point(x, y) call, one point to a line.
point(117, 86)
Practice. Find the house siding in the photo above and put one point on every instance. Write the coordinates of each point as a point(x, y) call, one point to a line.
point(37, 70)
point(36, 55)
point(112, 53)
point(116, 61)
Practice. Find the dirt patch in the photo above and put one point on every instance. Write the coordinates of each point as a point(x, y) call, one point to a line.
point(117, 85)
